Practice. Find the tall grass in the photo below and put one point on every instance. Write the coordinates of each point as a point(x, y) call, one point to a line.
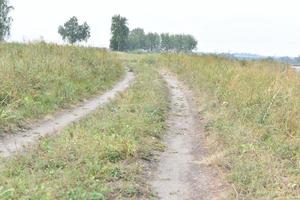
point(37, 79)
point(102, 156)
point(254, 116)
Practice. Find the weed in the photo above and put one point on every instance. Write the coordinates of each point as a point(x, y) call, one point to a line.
point(38, 79)
point(253, 114)
point(102, 157)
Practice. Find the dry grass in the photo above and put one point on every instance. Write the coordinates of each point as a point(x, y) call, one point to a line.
point(37, 79)
point(253, 128)
point(254, 112)
point(102, 156)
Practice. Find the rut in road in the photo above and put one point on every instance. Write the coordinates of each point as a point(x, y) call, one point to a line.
point(14, 143)
point(179, 175)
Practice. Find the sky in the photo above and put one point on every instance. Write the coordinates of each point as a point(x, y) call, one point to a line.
point(265, 27)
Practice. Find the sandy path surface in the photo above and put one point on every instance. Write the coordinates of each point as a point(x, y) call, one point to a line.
point(180, 174)
point(14, 143)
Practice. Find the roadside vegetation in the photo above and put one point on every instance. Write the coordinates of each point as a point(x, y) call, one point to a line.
point(38, 79)
point(102, 156)
point(252, 114)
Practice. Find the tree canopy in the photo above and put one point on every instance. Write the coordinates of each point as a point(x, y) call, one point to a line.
point(152, 42)
point(5, 19)
point(160, 42)
point(123, 39)
point(120, 33)
point(73, 32)
point(136, 39)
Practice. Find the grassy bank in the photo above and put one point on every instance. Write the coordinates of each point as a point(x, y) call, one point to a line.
point(37, 79)
point(102, 156)
point(253, 110)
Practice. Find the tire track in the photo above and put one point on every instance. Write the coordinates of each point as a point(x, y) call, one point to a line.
point(179, 175)
point(17, 143)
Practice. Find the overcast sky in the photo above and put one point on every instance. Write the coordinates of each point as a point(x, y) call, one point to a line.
point(266, 27)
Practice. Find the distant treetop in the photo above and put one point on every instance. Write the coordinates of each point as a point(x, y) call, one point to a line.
point(120, 32)
point(122, 39)
point(73, 32)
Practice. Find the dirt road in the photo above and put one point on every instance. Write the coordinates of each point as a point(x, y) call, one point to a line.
point(11, 144)
point(180, 174)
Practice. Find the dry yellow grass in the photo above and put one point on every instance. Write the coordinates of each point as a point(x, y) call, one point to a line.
point(254, 112)
point(102, 156)
point(37, 79)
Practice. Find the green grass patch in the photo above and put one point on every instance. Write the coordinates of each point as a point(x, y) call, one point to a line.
point(102, 156)
point(38, 79)
point(253, 110)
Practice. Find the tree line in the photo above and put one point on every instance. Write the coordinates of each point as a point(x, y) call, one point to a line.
point(137, 39)
point(123, 39)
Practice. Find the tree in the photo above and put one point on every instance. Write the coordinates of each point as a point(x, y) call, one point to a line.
point(73, 32)
point(178, 42)
point(120, 32)
point(136, 39)
point(152, 41)
point(190, 42)
point(5, 19)
point(165, 42)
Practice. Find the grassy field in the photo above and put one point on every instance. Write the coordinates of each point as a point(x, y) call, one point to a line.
point(253, 117)
point(251, 111)
point(102, 156)
point(38, 79)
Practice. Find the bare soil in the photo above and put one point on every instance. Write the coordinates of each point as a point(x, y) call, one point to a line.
point(15, 143)
point(181, 174)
